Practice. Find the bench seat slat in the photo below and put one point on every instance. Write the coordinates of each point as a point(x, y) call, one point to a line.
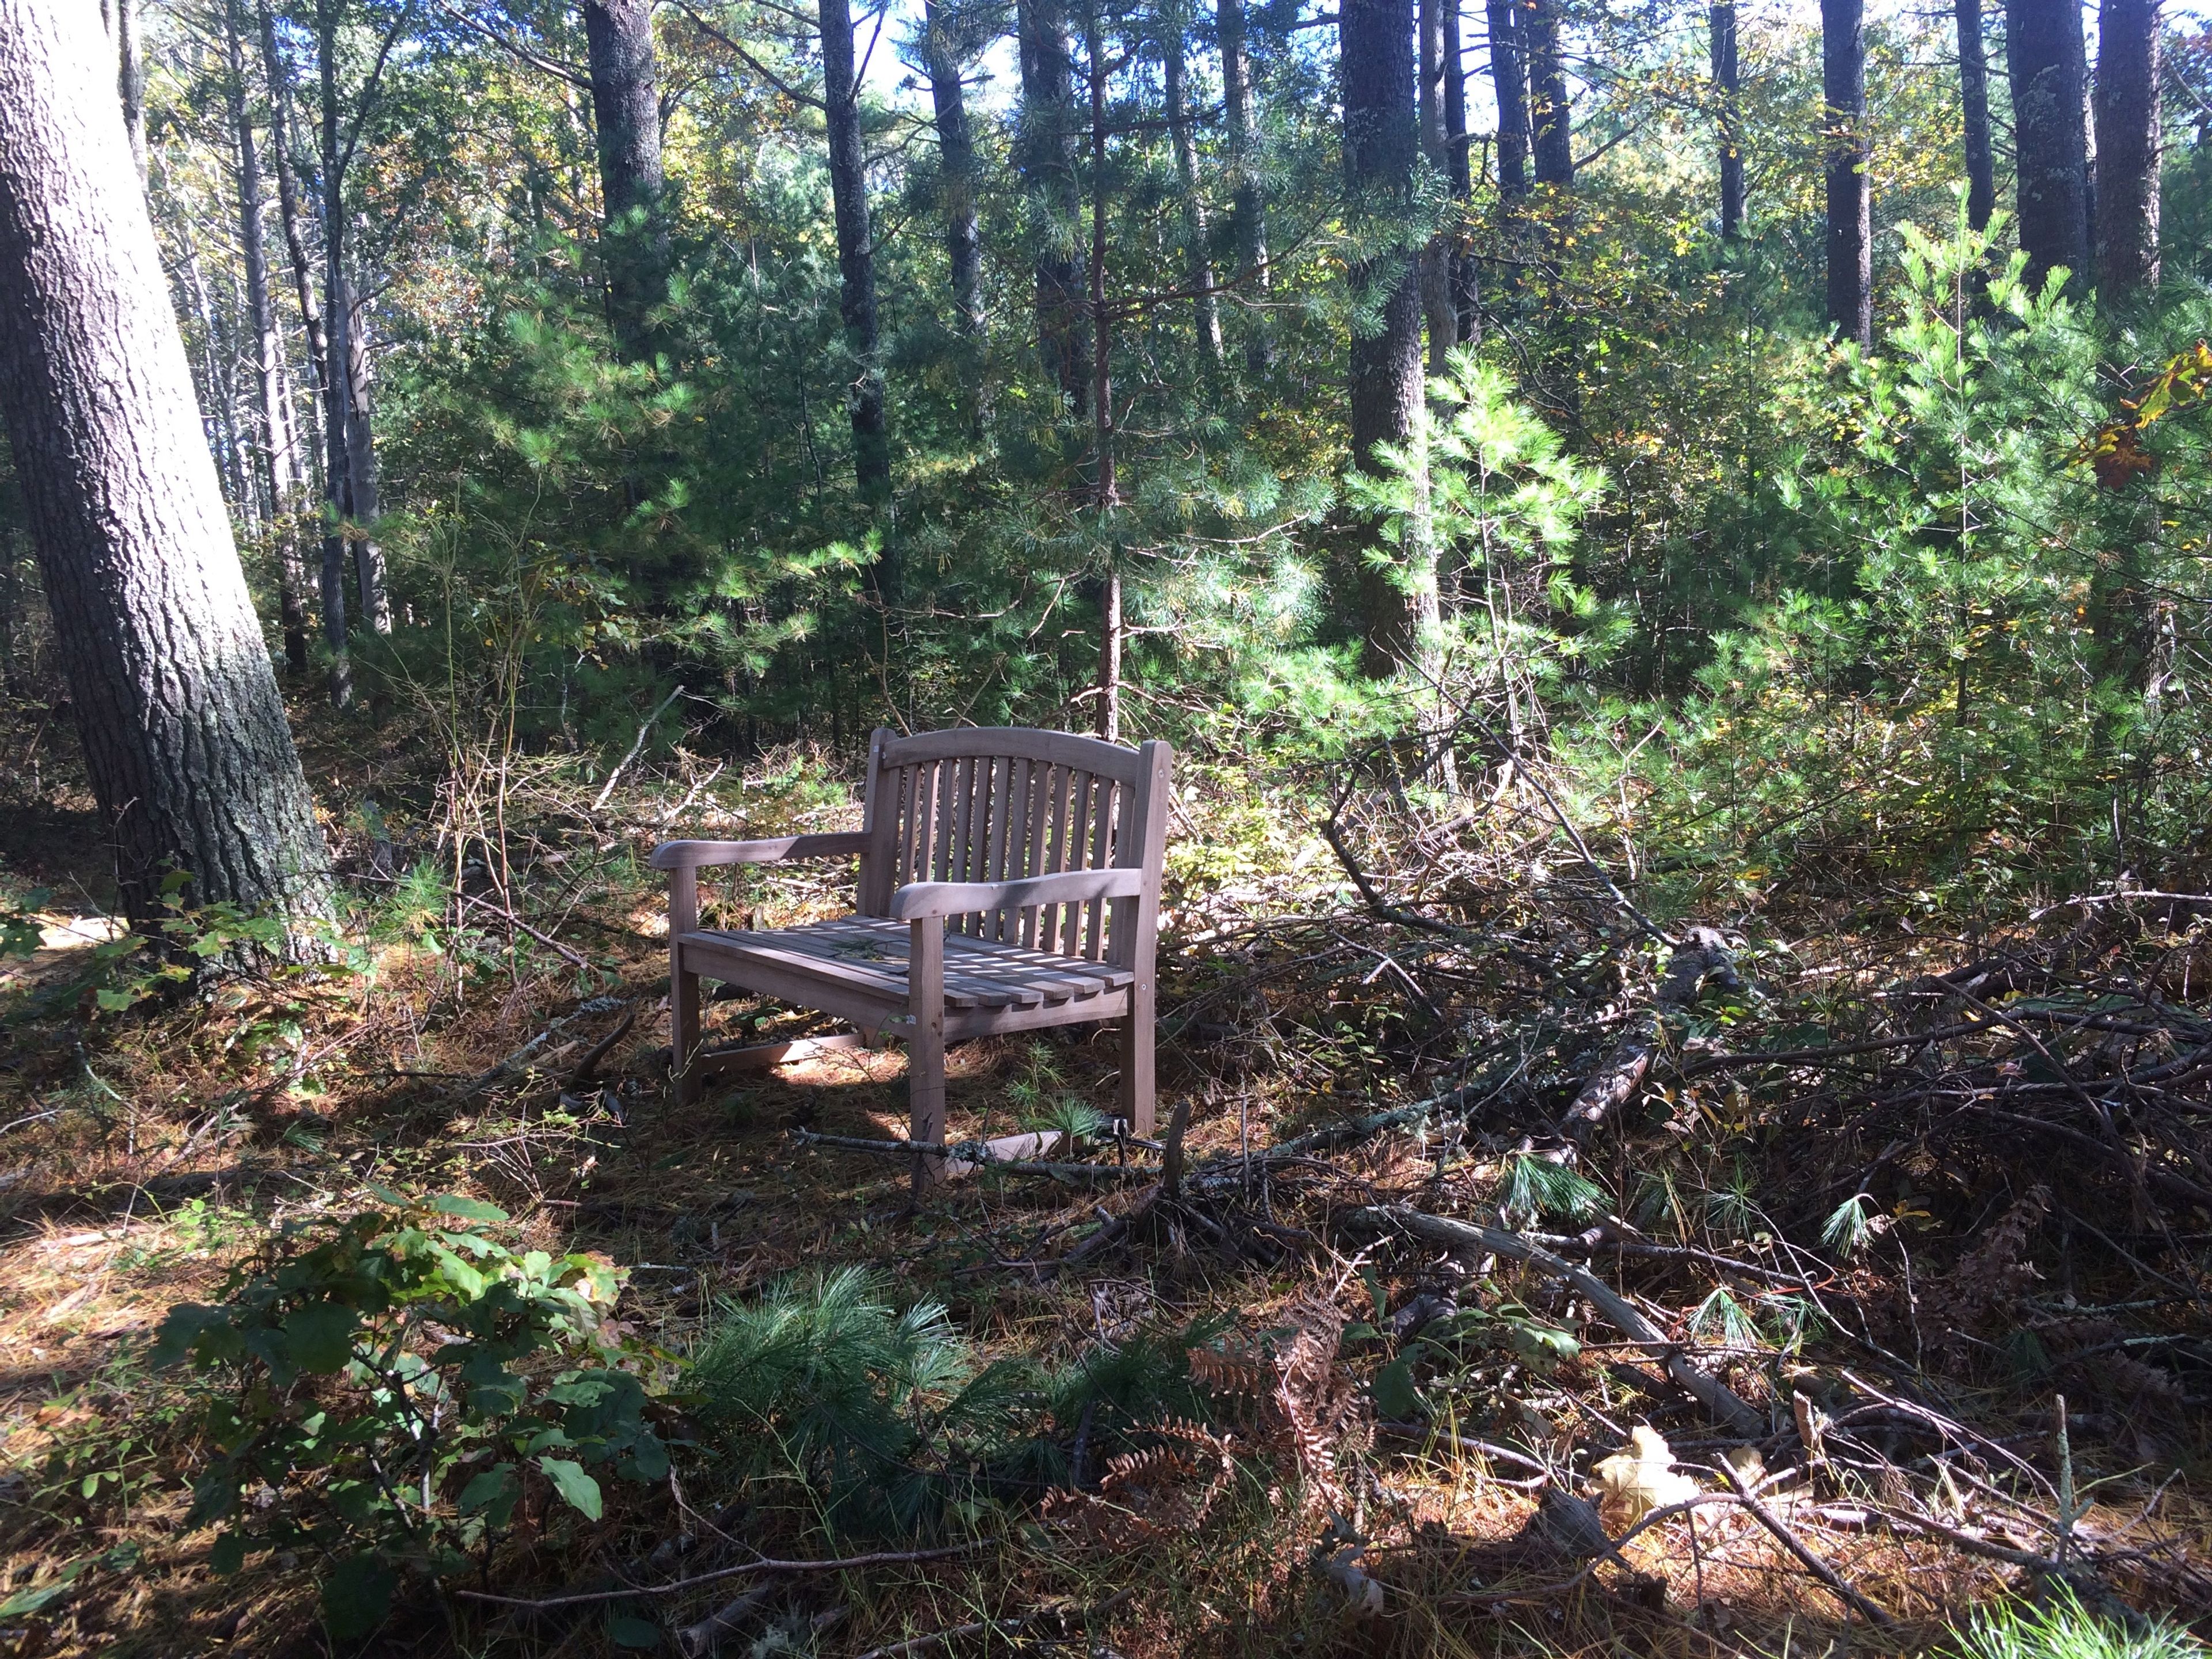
point(870, 955)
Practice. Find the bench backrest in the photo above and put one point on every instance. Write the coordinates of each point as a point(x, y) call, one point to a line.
point(1005, 803)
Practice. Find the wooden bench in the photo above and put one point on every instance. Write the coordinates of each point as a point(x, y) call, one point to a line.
point(1009, 879)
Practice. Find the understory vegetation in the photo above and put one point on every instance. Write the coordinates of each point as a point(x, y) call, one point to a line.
point(1686, 961)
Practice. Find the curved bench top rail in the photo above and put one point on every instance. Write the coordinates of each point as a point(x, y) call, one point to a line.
point(1092, 755)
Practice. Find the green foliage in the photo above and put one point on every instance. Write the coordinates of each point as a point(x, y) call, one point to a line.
point(1536, 1188)
point(386, 1390)
point(2062, 1628)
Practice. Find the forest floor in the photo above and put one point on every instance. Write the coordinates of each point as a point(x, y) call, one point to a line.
point(1973, 1192)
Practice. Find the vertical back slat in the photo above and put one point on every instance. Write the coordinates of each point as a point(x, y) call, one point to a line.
point(1102, 853)
point(1079, 821)
point(1006, 836)
point(880, 820)
point(940, 849)
point(1037, 813)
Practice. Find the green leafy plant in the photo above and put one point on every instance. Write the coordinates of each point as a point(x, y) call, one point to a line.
point(1538, 1188)
point(390, 1388)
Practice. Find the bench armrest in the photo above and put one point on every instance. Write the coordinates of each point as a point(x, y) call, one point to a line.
point(918, 899)
point(692, 854)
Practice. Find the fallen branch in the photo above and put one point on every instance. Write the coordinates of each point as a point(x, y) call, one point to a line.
point(1006, 1626)
point(643, 733)
point(677, 1586)
point(1701, 953)
point(1715, 1396)
point(1796, 1547)
point(574, 958)
point(598, 1052)
point(977, 1153)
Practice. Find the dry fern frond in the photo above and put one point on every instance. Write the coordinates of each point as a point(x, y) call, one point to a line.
point(1987, 1278)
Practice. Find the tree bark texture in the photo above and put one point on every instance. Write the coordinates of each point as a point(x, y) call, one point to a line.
point(2128, 86)
point(2049, 72)
point(1850, 187)
point(1550, 119)
point(944, 59)
point(1467, 294)
point(1045, 155)
point(364, 500)
point(278, 447)
point(1248, 204)
point(288, 199)
point(626, 114)
point(1508, 81)
point(1381, 142)
point(856, 257)
point(337, 397)
point(130, 80)
point(1728, 88)
point(1106, 491)
point(183, 732)
point(1438, 310)
point(1974, 112)
point(1198, 253)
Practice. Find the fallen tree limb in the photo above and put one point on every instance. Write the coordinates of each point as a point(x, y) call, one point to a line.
point(1009, 1625)
point(1716, 1396)
point(765, 1566)
point(1702, 953)
point(975, 1153)
point(1796, 1547)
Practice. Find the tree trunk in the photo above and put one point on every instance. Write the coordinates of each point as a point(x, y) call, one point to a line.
point(1381, 141)
point(1508, 80)
point(856, 258)
point(183, 734)
point(1248, 205)
point(278, 449)
point(1197, 255)
point(1850, 190)
point(1549, 116)
point(1106, 495)
point(364, 502)
point(2128, 134)
point(1045, 153)
point(944, 59)
point(338, 400)
point(1974, 109)
point(130, 80)
point(1436, 308)
point(1727, 87)
point(288, 202)
point(2049, 72)
point(626, 116)
point(1467, 296)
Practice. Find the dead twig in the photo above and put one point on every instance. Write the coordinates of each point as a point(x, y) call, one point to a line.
point(1796, 1547)
point(764, 1567)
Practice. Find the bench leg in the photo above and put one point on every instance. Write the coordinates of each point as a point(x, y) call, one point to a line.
point(925, 1051)
point(684, 1033)
point(1139, 1090)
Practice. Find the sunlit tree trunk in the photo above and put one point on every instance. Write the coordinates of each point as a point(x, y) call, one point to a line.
point(1728, 86)
point(1549, 119)
point(1508, 81)
point(364, 498)
point(1849, 187)
point(956, 151)
point(131, 79)
point(278, 452)
point(2128, 86)
point(856, 257)
point(1045, 153)
point(1436, 308)
point(1198, 255)
point(1974, 112)
point(1467, 296)
point(338, 400)
point(1248, 204)
point(183, 734)
point(1381, 142)
point(2049, 74)
point(626, 117)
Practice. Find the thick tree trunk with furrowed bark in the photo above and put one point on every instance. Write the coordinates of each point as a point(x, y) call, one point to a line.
point(1551, 121)
point(2049, 68)
point(1248, 206)
point(1381, 142)
point(184, 739)
point(1850, 190)
point(1728, 85)
point(955, 166)
point(2128, 108)
point(626, 113)
point(1974, 112)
